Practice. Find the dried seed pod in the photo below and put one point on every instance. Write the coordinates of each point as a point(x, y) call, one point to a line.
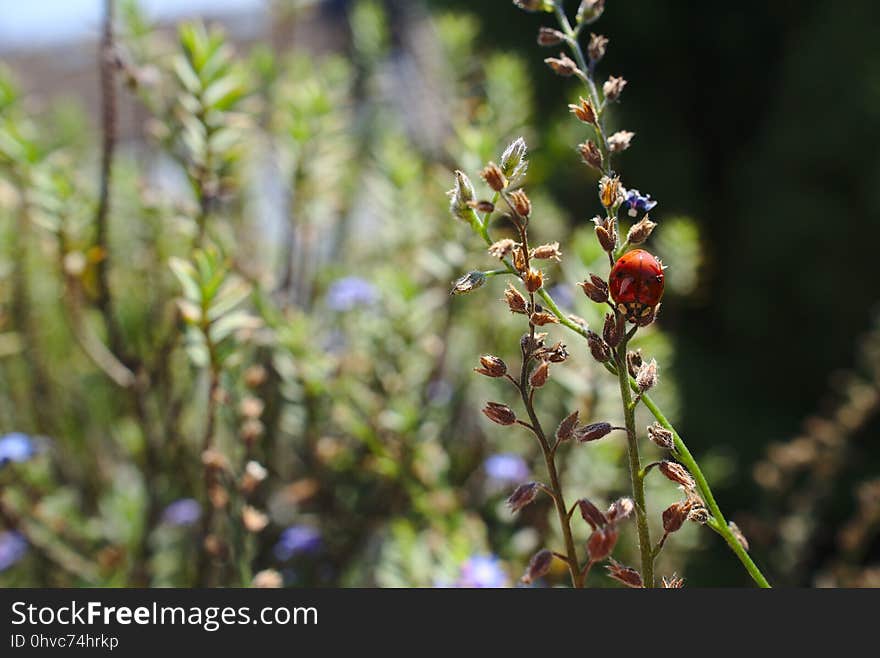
point(634, 362)
point(554, 354)
point(494, 177)
point(540, 375)
point(614, 329)
point(675, 515)
point(609, 191)
point(482, 206)
point(592, 432)
point(499, 413)
point(626, 575)
point(591, 514)
point(607, 239)
point(601, 543)
point(539, 566)
point(547, 36)
point(598, 347)
point(596, 47)
point(620, 509)
point(646, 377)
point(584, 111)
point(519, 200)
point(502, 248)
point(491, 366)
point(595, 288)
point(589, 11)
point(523, 495)
point(548, 251)
point(541, 318)
point(515, 301)
point(590, 154)
point(566, 428)
point(620, 141)
point(640, 231)
point(661, 436)
point(468, 283)
point(533, 279)
point(562, 65)
point(677, 473)
point(612, 88)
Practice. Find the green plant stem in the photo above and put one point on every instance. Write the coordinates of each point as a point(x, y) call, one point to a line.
point(635, 468)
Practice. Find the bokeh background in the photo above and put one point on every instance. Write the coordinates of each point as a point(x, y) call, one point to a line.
point(349, 447)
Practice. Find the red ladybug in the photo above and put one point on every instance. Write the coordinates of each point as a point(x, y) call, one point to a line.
point(636, 285)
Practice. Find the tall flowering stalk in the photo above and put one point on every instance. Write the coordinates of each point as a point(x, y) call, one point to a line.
point(632, 292)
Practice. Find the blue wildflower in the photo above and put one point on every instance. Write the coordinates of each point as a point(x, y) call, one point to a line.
point(506, 468)
point(16, 447)
point(13, 547)
point(297, 539)
point(635, 202)
point(483, 571)
point(183, 512)
point(350, 292)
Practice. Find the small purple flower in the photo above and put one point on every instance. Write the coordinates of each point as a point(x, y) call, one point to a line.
point(506, 468)
point(296, 540)
point(350, 292)
point(183, 512)
point(16, 447)
point(483, 571)
point(13, 547)
point(635, 202)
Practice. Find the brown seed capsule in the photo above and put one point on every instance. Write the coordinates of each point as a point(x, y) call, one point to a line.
point(675, 515)
point(554, 354)
point(565, 431)
point(468, 283)
point(547, 36)
point(620, 141)
point(539, 566)
point(491, 366)
point(562, 65)
point(583, 110)
point(592, 432)
point(540, 375)
point(589, 11)
point(548, 251)
point(601, 542)
point(533, 279)
point(598, 347)
point(529, 345)
point(607, 239)
point(646, 377)
point(482, 206)
point(640, 231)
point(595, 288)
point(614, 328)
point(502, 248)
point(661, 436)
point(609, 191)
point(677, 473)
point(541, 318)
point(633, 362)
point(612, 88)
point(499, 413)
point(620, 509)
point(494, 177)
point(590, 154)
point(626, 575)
point(515, 301)
point(591, 514)
point(521, 204)
point(596, 47)
point(523, 495)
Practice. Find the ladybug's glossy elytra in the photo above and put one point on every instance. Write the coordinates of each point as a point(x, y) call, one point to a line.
point(636, 285)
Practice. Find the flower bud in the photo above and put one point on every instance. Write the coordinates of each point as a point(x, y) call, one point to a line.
point(640, 231)
point(596, 289)
point(460, 195)
point(589, 11)
point(592, 432)
point(539, 566)
point(661, 436)
point(548, 251)
point(646, 378)
point(499, 413)
point(523, 495)
point(620, 141)
point(626, 575)
point(598, 347)
point(521, 204)
point(468, 283)
point(613, 329)
point(533, 279)
point(494, 177)
point(501, 248)
point(513, 160)
point(596, 47)
point(491, 366)
point(612, 88)
point(562, 65)
point(601, 542)
point(565, 431)
point(547, 36)
point(540, 375)
point(583, 110)
point(515, 301)
point(591, 514)
point(591, 154)
point(677, 473)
